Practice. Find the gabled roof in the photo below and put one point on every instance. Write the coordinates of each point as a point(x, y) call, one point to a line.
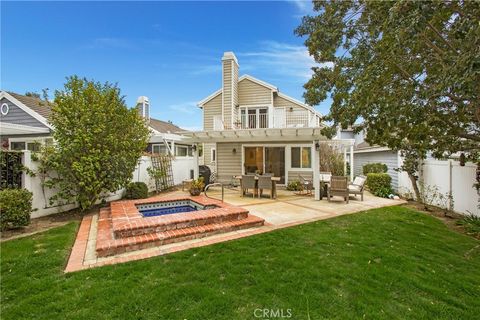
point(35, 107)
point(163, 126)
point(244, 77)
point(264, 84)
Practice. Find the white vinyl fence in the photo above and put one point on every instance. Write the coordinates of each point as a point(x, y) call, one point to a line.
point(442, 178)
point(181, 167)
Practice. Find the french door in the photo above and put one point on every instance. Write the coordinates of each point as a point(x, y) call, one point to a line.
point(262, 160)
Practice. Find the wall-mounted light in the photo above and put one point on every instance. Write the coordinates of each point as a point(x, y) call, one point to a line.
point(194, 147)
point(291, 109)
point(317, 146)
point(234, 151)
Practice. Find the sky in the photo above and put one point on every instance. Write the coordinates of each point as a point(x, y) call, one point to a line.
point(168, 51)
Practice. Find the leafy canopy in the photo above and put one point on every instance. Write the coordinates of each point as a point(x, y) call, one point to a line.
point(98, 141)
point(410, 70)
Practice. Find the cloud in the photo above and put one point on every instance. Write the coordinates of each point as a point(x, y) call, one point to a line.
point(206, 69)
point(280, 59)
point(107, 42)
point(188, 107)
point(302, 5)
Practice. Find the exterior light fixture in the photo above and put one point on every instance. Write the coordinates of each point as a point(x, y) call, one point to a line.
point(234, 151)
point(317, 146)
point(194, 147)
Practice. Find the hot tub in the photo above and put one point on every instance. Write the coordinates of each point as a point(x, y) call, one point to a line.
point(171, 207)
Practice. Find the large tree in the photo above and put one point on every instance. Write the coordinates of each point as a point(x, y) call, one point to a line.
point(408, 70)
point(98, 141)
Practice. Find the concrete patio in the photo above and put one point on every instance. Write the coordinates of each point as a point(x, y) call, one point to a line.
point(290, 208)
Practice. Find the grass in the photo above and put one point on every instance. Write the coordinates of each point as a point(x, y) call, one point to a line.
point(383, 263)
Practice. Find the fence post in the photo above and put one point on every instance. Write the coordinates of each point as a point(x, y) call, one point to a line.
point(450, 191)
point(27, 162)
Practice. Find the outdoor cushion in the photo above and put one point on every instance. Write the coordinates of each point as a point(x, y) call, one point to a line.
point(354, 188)
point(359, 181)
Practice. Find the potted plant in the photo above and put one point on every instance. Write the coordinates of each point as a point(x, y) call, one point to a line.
point(196, 186)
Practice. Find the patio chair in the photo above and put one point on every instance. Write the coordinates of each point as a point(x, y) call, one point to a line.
point(325, 177)
point(338, 187)
point(357, 186)
point(265, 183)
point(249, 182)
point(307, 184)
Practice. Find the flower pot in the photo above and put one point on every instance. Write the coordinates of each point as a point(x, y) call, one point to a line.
point(195, 191)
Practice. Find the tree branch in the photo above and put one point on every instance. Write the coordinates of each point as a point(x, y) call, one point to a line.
point(440, 36)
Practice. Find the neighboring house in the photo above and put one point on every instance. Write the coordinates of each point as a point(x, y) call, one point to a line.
point(165, 140)
point(250, 126)
point(23, 122)
point(365, 153)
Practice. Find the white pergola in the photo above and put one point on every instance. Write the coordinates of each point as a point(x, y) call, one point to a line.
point(273, 135)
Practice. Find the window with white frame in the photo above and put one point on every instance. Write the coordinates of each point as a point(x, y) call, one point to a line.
point(183, 151)
point(213, 155)
point(31, 144)
point(159, 149)
point(301, 157)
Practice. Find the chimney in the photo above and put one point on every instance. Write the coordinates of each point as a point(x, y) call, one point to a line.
point(143, 107)
point(230, 89)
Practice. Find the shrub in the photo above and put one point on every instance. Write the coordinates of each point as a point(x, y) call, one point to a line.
point(471, 224)
point(136, 190)
point(294, 186)
point(15, 208)
point(379, 184)
point(374, 168)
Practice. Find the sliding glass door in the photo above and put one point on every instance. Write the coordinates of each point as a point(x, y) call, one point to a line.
point(262, 160)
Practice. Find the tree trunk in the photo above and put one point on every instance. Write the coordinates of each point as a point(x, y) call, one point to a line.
point(413, 180)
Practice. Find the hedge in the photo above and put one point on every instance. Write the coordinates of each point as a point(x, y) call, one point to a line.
point(15, 208)
point(379, 184)
point(374, 168)
point(136, 190)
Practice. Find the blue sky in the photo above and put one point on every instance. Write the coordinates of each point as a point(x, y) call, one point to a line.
point(168, 51)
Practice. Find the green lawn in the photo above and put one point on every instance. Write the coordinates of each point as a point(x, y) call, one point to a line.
point(384, 263)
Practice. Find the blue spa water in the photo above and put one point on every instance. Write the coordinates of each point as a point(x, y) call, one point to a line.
point(164, 211)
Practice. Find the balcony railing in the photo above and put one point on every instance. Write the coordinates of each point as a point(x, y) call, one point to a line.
point(281, 119)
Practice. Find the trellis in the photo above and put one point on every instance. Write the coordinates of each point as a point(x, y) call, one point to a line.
point(163, 164)
point(11, 169)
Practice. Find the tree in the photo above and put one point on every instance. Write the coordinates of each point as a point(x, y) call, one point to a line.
point(98, 141)
point(32, 94)
point(409, 70)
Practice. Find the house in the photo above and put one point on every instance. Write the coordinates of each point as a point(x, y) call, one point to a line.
point(23, 122)
point(249, 126)
point(166, 140)
point(365, 153)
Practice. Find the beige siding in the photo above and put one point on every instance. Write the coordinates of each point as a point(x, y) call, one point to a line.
point(235, 93)
point(207, 147)
point(228, 163)
point(281, 102)
point(227, 93)
point(251, 93)
point(210, 109)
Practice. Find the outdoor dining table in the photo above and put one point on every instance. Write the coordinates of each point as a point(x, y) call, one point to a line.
point(274, 184)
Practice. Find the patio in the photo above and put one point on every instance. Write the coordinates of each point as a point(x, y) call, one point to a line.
point(288, 209)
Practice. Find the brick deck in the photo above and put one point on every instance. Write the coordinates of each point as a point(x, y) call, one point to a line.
point(122, 229)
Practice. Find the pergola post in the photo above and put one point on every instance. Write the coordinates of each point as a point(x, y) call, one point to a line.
point(195, 162)
point(351, 162)
point(316, 170)
point(344, 159)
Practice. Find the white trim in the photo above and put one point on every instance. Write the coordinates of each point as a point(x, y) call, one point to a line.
point(295, 101)
point(372, 149)
point(210, 97)
point(41, 119)
point(4, 109)
point(258, 81)
point(27, 140)
point(29, 129)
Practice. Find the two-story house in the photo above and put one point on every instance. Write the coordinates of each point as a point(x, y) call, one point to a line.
point(250, 126)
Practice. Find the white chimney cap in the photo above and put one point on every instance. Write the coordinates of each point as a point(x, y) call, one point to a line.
point(229, 55)
point(142, 99)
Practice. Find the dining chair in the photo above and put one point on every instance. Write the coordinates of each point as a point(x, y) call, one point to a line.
point(249, 182)
point(265, 183)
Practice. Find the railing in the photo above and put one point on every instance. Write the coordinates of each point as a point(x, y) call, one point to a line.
point(211, 185)
point(281, 119)
point(252, 121)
